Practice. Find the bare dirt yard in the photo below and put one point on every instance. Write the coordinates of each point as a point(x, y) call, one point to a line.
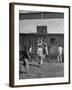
point(46, 70)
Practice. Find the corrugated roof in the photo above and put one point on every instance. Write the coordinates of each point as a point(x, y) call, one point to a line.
point(40, 15)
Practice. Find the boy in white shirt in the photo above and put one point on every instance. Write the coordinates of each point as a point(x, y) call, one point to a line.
point(60, 50)
point(40, 55)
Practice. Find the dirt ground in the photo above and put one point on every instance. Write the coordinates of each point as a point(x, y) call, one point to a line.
point(46, 70)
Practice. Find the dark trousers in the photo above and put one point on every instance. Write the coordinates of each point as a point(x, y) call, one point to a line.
point(39, 61)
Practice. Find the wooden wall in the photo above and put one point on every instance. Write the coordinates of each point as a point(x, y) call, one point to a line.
point(31, 40)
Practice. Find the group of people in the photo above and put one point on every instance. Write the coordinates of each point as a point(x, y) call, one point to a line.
point(42, 53)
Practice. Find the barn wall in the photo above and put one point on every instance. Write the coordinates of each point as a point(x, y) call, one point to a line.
point(31, 39)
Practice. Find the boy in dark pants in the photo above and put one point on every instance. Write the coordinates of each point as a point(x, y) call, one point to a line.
point(25, 59)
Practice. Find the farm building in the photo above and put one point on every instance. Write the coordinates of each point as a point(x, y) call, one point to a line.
point(49, 26)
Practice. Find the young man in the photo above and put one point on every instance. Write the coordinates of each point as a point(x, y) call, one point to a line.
point(60, 50)
point(40, 55)
point(45, 51)
point(25, 58)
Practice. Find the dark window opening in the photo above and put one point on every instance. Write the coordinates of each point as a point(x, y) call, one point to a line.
point(52, 40)
point(41, 30)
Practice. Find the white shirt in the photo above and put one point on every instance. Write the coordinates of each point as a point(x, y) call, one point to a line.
point(60, 49)
point(30, 50)
point(46, 50)
point(40, 51)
